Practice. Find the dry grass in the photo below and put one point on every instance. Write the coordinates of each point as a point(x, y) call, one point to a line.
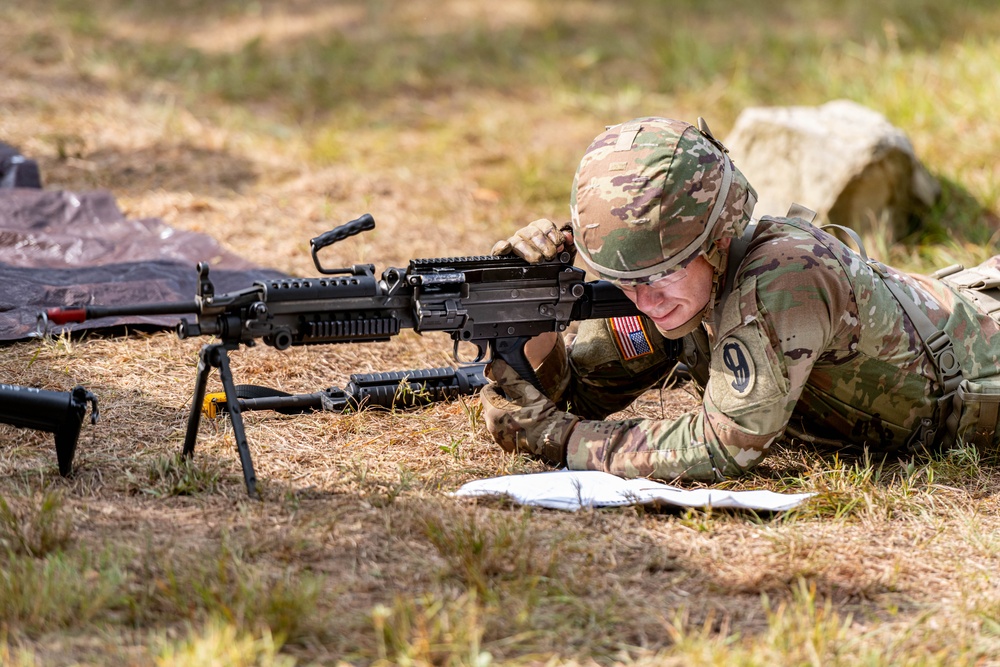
point(265, 124)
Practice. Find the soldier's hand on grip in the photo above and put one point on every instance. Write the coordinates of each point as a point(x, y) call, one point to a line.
point(541, 239)
point(522, 419)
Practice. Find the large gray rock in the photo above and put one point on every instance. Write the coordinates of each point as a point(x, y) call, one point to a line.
point(843, 160)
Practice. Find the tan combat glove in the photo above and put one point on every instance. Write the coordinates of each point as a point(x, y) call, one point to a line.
point(521, 419)
point(538, 240)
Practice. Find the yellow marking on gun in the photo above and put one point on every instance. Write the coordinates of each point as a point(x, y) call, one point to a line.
point(210, 406)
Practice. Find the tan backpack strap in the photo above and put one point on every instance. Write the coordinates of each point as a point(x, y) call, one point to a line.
point(982, 434)
point(937, 343)
point(737, 251)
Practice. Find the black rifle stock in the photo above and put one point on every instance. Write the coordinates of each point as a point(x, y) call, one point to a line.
point(57, 412)
point(494, 303)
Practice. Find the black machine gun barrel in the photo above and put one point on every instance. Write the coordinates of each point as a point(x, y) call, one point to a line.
point(496, 304)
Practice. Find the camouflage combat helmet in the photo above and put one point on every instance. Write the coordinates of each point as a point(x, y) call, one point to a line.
point(653, 194)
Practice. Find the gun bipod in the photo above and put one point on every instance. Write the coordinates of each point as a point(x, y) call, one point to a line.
point(216, 355)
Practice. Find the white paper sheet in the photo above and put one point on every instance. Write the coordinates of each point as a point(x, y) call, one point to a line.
point(575, 489)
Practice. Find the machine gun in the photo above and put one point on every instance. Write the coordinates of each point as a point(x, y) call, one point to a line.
point(495, 303)
point(58, 412)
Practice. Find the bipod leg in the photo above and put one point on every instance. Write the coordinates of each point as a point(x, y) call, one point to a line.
point(236, 417)
point(215, 356)
point(194, 417)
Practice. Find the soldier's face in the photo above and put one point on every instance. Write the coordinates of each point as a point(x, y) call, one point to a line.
point(674, 300)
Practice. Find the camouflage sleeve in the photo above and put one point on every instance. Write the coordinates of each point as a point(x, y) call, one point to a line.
point(605, 378)
point(774, 325)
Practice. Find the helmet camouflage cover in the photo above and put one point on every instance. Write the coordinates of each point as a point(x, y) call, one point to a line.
point(653, 194)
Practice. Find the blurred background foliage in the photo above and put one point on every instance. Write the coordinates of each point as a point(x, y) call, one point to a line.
point(509, 95)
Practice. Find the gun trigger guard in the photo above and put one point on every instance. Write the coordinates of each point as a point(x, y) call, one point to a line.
point(481, 350)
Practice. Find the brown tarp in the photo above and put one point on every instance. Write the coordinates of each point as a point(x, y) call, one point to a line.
point(60, 248)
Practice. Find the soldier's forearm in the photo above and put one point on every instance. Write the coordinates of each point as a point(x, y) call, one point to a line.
point(659, 449)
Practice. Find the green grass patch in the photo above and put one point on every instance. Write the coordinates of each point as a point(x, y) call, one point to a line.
point(431, 631)
point(177, 475)
point(808, 630)
point(484, 547)
point(60, 591)
point(36, 527)
point(218, 642)
point(222, 584)
point(583, 51)
point(15, 656)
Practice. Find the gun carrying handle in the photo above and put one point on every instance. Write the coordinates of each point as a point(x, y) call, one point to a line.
point(362, 224)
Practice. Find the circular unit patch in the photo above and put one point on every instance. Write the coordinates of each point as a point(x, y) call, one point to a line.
point(738, 364)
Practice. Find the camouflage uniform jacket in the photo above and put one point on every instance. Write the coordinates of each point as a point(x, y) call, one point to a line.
point(809, 339)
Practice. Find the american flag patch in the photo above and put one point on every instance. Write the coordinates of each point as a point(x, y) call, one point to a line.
point(630, 336)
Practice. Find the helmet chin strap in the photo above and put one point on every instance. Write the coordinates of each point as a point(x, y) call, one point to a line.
point(718, 258)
